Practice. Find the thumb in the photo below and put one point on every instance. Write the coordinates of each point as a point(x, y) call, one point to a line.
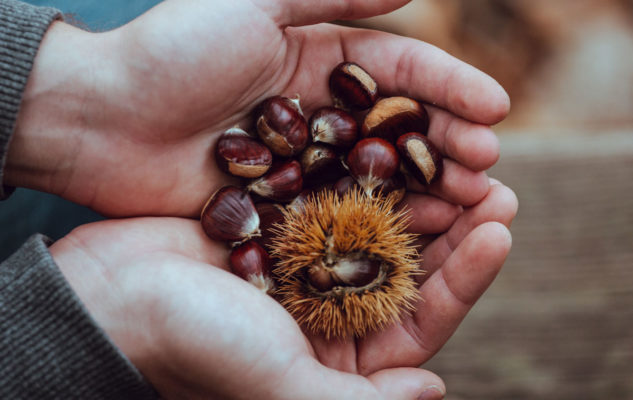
point(301, 12)
point(408, 384)
point(310, 380)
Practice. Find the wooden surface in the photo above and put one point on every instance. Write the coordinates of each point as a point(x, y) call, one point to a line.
point(558, 321)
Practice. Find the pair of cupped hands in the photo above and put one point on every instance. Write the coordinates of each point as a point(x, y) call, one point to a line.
point(124, 122)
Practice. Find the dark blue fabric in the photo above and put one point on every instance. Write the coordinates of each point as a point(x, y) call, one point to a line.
point(100, 15)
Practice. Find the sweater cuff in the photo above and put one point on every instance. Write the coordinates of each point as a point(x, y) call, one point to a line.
point(50, 345)
point(22, 27)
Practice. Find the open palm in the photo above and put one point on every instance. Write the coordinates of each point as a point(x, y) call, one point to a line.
point(160, 289)
point(164, 86)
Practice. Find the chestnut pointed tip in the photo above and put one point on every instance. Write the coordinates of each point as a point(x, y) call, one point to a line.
point(281, 183)
point(372, 161)
point(333, 126)
point(251, 262)
point(229, 215)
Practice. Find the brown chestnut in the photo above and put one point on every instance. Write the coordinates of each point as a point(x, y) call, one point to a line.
point(352, 88)
point(298, 203)
point(251, 262)
point(282, 183)
point(320, 164)
point(239, 154)
point(269, 215)
point(422, 159)
point(230, 215)
point(320, 278)
point(333, 126)
point(353, 270)
point(395, 116)
point(281, 125)
point(396, 184)
point(344, 185)
point(371, 162)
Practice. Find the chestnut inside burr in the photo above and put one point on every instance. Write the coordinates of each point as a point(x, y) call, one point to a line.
point(347, 273)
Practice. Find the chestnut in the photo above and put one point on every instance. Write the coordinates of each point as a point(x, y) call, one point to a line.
point(395, 116)
point(281, 125)
point(320, 278)
point(269, 215)
point(352, 88)
point(333, 126)
point(230, 215)
point(422, 159)
point(320, 164)
point(239, 154)
point(344, 185)
point(251, 262)
point(371, 162)
point(282, 183)
point(396, 184)
point(353, 270)
point(298, 204)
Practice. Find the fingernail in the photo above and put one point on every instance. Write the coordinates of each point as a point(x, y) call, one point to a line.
point(432, 393)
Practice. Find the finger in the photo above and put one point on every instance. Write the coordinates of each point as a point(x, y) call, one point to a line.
point(458, 184)
point(408, 67)
point(499, 205)
point(448, 296)
point(429, 214)
point(336, 353)
point(464, 277)
point(300, 12)
point(307, 379)
point(408, 383)
point(475, 146)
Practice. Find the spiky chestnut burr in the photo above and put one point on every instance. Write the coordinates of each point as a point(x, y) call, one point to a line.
point(346, 265)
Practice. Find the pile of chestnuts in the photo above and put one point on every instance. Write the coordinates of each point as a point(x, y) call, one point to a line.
point(362, 142)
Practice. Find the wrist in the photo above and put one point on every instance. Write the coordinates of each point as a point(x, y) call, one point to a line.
point(60, 91)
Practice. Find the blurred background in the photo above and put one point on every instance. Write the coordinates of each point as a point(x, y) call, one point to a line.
point(558, 321)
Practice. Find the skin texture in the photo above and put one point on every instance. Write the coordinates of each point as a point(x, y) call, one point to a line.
point(116, 116)
point(129, 130)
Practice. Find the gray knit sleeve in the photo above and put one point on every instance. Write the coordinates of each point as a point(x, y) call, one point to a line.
point(49, 345)
point(22, 27)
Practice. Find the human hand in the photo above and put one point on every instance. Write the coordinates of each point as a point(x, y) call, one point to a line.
point(159, 289)
point(124, 121)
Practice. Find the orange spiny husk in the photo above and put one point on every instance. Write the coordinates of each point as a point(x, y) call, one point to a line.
point(357, 223)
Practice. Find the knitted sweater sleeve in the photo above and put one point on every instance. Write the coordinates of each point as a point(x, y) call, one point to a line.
point(50, 347)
